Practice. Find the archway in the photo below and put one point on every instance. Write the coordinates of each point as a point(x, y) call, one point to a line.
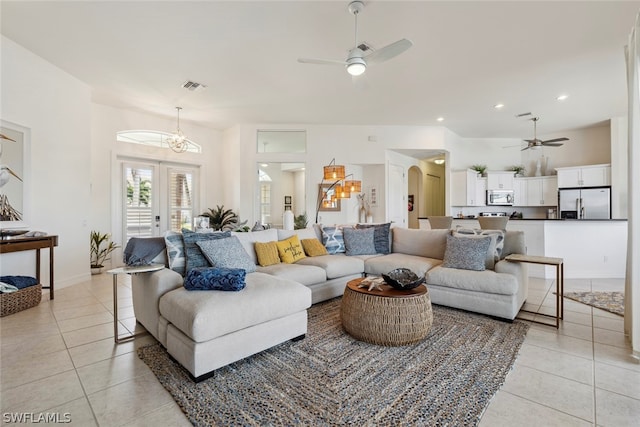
point(415, 196)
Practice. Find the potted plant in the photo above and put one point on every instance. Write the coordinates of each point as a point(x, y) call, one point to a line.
point(300, 221)
point(221, 219)
point(481, 169)
point(518, 170)
point(100, 250)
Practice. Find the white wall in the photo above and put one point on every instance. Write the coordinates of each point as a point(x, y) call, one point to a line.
point(619, 167)
point(56, 108)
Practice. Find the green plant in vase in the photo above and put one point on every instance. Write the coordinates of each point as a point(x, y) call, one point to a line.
point(100, 250)
point(481, 169)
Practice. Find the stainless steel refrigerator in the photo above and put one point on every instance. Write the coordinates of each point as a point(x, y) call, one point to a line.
point(585, 203)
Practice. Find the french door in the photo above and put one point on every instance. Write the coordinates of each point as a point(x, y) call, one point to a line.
point(157, 197)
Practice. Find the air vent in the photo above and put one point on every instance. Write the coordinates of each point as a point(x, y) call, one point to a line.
point(193, 85)
point(364, 47)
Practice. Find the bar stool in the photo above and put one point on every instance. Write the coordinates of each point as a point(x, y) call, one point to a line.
point(440, 222)
point(493, 222)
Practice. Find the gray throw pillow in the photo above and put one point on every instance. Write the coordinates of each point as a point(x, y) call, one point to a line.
point(359, 241)
point(227, 253)
point(495, 248)
point(175, 251)
point(466, 253)
point(195, 258)
point(380, 236)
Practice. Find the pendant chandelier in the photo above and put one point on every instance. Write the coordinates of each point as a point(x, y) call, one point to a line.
point(178, 142)
point(342, 187)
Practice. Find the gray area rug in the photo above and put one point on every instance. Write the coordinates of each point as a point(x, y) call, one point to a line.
point(610, 301)
point(331, 379)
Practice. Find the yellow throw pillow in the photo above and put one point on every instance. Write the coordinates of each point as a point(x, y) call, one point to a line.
point(290, 250)
point(267, 253)
point(313, 247)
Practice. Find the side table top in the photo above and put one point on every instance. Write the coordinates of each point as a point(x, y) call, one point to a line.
point(136, 269)
point(387, 291)
point(534, 259)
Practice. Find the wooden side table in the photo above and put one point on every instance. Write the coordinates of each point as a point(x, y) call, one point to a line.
point(559, 264)
point(21, 243)
point(389, 317)
point(127, 270)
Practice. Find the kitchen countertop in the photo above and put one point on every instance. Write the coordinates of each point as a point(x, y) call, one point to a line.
point(544, 219)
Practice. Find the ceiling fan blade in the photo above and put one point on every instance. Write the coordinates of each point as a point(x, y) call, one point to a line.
point(555, 140)
point(552, 144)
point(388, 52)
point(532, 141)
point(527, 147)
point(321, 61)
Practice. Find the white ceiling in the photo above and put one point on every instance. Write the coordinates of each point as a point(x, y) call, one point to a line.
point(467, 56)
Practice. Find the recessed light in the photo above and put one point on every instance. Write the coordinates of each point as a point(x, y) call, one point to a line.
point(264, 165)
point(562, 97)
point(440, 119)
point(498, 106)
point(438, 161)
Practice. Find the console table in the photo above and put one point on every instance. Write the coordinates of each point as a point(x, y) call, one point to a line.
point(21, 243)
point(127, 270)
point(545, 260)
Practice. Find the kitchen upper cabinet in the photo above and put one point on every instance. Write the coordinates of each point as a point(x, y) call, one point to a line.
point(500, 180)
point(584, 176)
point(467, 189)
point(536, 191)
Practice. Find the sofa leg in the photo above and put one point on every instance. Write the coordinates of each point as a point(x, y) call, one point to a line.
point(299, 338)
point(202, 377)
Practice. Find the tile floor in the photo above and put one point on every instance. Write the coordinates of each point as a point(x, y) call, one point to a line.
point(60, 358)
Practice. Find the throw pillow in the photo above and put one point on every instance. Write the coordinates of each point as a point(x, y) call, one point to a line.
point(267, 253)
point(313, 247)
point(175, 251)
point(143, 250)
point(466, 253)
point(215, 279)
point(494, 253)
point(359, 241)
point(333, 240)
point(195, 258)
point(290, 250)
point(380, 236)
point(227, 253)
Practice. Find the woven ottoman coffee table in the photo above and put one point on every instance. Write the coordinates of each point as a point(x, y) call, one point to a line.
point(386, 317)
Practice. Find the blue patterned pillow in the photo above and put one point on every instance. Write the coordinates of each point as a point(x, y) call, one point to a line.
point(467, 253)
point(175, 251)
point(195, 258)
point(227, 253)
point(215, 279)
point(380, 236)
point(359, 241)
point(333, 240)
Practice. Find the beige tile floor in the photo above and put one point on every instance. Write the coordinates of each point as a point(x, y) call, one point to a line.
point(60, 358)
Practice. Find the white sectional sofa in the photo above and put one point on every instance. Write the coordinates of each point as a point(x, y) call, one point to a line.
point(205, 330)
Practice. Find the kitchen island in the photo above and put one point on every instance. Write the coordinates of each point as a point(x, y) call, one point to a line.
point(590, 248)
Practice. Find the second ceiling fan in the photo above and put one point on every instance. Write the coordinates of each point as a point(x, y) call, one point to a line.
point(357, 59)
point(535, 142)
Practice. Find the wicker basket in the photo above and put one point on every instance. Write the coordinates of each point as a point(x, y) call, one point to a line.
point(20, 300)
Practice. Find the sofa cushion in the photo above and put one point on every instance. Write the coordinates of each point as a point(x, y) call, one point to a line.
point(203, 315)
point(313, 247)
point(495, 248)
point(227, 253)
point(359, 241)
point(195, 257)
point(466, 252)
point(385, 263)
point(305, 274)
point(175, 251)
point(381, 236)
point(486, 281)
point(290, 250)
point(303, 233)
point(267, 253)
point(426, 243)
point(513, 243)
point(338, 265)
point(248, 239)
point(333, 239)
point(215, 279)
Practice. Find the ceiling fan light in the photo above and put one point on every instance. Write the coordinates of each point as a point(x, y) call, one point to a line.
point(356, 68)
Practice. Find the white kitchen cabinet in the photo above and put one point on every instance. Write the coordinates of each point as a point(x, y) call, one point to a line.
point(519, 192)
point(467, 189)
point(500, 180)
point(584, 176)
point(542, 191)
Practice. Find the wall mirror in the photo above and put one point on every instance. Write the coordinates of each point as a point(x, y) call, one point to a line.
point(282, 141)
point(14, 175)
point(327, 199)
point(281, 187)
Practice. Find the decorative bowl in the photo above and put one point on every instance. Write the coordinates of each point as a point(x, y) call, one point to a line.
point(402, 279)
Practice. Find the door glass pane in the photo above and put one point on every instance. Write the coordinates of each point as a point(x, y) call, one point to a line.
point(139, 202)
point(180, 199)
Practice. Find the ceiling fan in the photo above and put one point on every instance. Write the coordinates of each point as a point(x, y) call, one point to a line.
point(535, 142)
point(357, 59)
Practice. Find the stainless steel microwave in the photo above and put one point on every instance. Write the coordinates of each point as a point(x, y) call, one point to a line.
point(499, 197)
